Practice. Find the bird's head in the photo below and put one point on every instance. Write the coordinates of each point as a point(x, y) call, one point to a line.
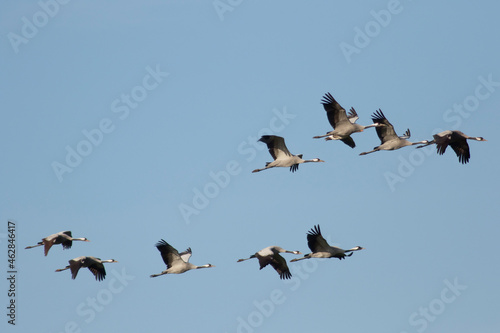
point(480, 138)
point(317, 160)
point(359, 248)
point(296, 252)
point(86, 240)
point(113, 260)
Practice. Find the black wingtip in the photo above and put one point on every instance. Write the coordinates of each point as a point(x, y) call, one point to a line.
point(327, 99)
point(161, 242)
point(315, 231)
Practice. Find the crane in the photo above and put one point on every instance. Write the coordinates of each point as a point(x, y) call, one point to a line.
point(321, 249)
point(389, 140)
point(457, 141)
point(343, 124)
point(271, 255)
point(281, 155)
point(95, 265)
point(177, 263)
point(63, 237)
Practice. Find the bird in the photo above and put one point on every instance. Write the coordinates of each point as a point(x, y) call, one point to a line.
point(95, 265)
point(458, 142)
point(177, 263)
point(321, 249)
point(388, 137)
point(343, 124)
point(282, 157)
point(271, 255)
point(63, 237)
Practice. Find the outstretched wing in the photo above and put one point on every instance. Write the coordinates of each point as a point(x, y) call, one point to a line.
point(96, 267)
point(352, 115)
point(460, 146)
point(49, 241)
point(386, 132)
point(315, 240)
point(280, 266)
point(348, 141)
point(334, 112)
point(276, 146)
point(462, 151)
point(186, 254)
point(168, 253)
point(442, 140)
point(65, 239)
point(74, 266)
point(406, 136)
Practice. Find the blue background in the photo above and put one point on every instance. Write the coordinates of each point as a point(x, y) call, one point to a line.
point(172, 156)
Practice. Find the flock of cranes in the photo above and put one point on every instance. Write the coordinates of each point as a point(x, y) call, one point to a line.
point(344, 125)
point(178, 263)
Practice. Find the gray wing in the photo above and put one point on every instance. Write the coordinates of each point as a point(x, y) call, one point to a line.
point(352, 115)
point(385, 133)
point(75, 265)
point(186, 254)
point(315, 240)
point(276, 146)
point(168, 253)
point(406, 136)
point(334, 112)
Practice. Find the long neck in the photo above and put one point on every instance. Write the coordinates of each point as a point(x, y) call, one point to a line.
point(62, 269)
point(372, 125)
point(357, 248)
point(109, 260)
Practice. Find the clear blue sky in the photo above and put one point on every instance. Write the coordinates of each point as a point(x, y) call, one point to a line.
point(127, 122)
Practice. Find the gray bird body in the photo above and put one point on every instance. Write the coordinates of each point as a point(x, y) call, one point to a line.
point(389, 140)
point(281, 155)
point(343, 124)
point(63, 237)
point(95, 265)
point(457, 140)
point(321, 249)
point(271, 255)
point(177, 263)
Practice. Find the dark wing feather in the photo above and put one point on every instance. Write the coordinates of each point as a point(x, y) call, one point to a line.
point(279, 264)
point(385, 133)
point(352, 115)
point(97, 268)
point(264, 260)
point(442, 140)
point(334, 112)
point(315, 240)
point(168, 253)
point(461, 148)
point(349, 141)
point(407, 134)
point(65, 239)
point(275, 145)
